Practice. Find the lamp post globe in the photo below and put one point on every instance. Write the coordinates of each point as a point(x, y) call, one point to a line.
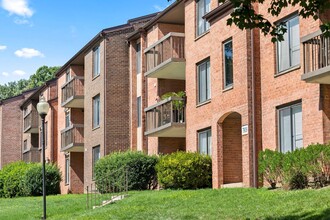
point(43, 108)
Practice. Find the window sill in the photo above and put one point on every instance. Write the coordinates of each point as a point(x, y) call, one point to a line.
point(66, 184)
point(287, 71)
point(95, 77)
point(202, 35)
point(203, 103)
point(228, 88)
point(96, 128)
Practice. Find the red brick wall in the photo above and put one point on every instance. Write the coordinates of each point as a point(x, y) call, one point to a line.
point(77, 172)
point(170, 145)
point(232, 149)
point(11, 131)
point(170, 85)
point(288, 87)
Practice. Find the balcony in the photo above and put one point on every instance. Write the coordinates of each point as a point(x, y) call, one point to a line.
point(165, 58)
point(31, 156)
point(72, 139)
point(31, 120)
point(316, 58)
point(166, 118)
point(73, 93)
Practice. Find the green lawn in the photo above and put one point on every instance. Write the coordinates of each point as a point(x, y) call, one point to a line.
point(185, 204)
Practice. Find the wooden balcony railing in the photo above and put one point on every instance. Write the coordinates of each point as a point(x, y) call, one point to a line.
point(316, 51)
point(164, 113)
point(171, 46)
point(72, 136)
point(31, 120)
point(73, 89)
point(32, 155)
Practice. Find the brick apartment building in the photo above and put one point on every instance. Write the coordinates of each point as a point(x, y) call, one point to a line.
point(11, 124)
point(31, 145)
point(158, 67)
point(94, 104)
point(243, 92)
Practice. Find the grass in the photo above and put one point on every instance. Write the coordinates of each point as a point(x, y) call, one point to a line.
point(181, 204)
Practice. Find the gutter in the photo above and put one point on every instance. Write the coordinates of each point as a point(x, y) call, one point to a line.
point(102, 34)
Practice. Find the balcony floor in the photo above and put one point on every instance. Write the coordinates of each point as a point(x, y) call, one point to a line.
point(168, 130)
point(321, 76)
point(74, 102)
point(173, 68)
point(73, 148)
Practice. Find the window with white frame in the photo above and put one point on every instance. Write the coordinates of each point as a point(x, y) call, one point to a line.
point(96, 61)
point(25, 145)
point(205, 141)
point(202, 8)
point(67, 118)
point(228, 63)
point(96, 111)
point(46, 134)
point(290, 128)
point(67, 75)
point(96, 156)
point(67, 169)
point(204, 81)
point(288, 50)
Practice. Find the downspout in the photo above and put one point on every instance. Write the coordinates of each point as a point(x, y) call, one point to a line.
point(253, 113)
point(52, 132)
point(105, 92)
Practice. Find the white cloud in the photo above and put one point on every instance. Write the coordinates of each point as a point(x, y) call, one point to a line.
point(18, 7)
point(28, 53)
point(5, 74)
point(3, 47)
point(158, 8)
point(21, 21)
point(19, 72)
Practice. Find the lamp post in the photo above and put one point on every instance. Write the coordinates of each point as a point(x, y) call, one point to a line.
point(43, 108)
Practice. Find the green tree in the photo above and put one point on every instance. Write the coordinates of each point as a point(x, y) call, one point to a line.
point(42, 75)
point(244, 15)
point(14, 88)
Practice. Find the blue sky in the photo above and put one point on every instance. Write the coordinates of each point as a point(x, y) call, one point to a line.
point(49, 32)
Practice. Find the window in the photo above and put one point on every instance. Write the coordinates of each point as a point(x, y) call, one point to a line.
point(67, 169)
point(138, 57)
point(288, 50)
point(25, 111)
point(67, 75)
point(96, 157)
point(96, 111)
point(290, 128)
point(138, 105)
point(67, 119)
point(204, 83)
point(203, 7)
point(25, 145)
point(96, 61)
point(205, 142)
point(46, 133)
point(228, 63)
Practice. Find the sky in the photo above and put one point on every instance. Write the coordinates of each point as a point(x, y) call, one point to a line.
point(34, 33)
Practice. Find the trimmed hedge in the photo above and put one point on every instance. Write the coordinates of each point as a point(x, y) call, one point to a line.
point(182, 170)
point(302, 168)
point(33, 180)
point(12, 179)
point(139, 168)
point(22, 179)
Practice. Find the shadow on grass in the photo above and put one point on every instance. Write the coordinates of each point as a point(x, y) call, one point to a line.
point(303, 216)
